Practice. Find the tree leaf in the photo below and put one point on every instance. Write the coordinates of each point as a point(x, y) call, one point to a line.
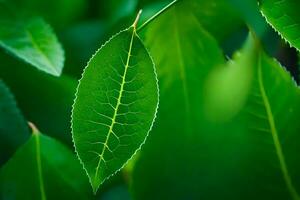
point(115, 106)
point(13, 129)
point(33, 41)
point(184, 54)
point(284, 17)
point(49, 171)
point(251, 156)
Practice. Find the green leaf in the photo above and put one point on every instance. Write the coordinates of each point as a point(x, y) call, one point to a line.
point(13, 128)
point(251, 156)
point(184, 54)
point(219, 104)
point(115, 106)
point(33, 41)
point(284, 17)
point(43, 169)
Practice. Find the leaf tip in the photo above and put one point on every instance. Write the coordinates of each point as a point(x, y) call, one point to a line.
point(95, 185)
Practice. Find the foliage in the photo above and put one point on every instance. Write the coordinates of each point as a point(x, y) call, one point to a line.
point(185, 99)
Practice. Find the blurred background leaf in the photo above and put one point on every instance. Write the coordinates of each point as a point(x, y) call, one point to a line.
point(43, 169)
point(13, 127)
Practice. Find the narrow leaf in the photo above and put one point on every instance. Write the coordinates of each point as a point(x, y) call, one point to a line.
point(284, 17)
point(13, 128)
point(115, 106)
point(33, 41)
point(43, 169)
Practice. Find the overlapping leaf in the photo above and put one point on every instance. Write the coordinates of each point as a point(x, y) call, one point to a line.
point(284, 17)
point(184, 53)
point(115, 106)
point(43, 169)
point(251, 155)
point(13, 128)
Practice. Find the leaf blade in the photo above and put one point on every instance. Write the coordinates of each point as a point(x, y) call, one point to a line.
point(34, 42)
point(49, 167)
point(125, 82)
point(283, 16)
point(241, 153)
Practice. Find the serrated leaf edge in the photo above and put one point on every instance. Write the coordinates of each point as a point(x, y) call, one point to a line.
point(151, 126)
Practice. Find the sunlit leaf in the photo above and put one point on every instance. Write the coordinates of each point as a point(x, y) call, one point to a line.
point(115, 106)
point(33, 41)
point(284, 17)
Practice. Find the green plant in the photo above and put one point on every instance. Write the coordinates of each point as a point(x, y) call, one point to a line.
point(214, 127)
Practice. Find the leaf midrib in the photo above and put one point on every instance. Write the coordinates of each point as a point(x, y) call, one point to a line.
point(275, 137)
point(101, 156)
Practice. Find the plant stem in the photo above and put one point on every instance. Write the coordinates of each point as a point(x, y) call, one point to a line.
point(137, 19)
point(156, 15)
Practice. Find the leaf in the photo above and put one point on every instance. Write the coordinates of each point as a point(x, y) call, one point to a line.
point(184, 54)
point(33, 41)
point(115, 106)
point(251, 156)
point(284, 17)
point(45, 100)
point(43, 169)
point(219, 104)
point(13, 128)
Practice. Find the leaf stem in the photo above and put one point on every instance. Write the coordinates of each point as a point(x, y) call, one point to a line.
point(137, 19)
point(156, 15)
point(34, 129)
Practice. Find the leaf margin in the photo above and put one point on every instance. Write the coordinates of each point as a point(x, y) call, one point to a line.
point(95, 189)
